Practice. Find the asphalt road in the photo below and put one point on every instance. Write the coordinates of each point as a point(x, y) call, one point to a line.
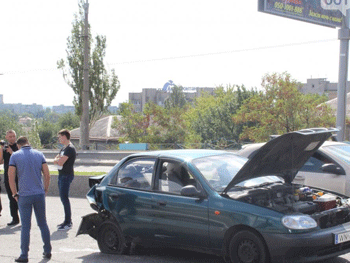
point(67, 247)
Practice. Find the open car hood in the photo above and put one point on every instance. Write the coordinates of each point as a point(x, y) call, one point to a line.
point(283, 156)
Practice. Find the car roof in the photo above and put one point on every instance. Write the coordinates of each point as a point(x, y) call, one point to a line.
point(184, 154)
point(329, 143)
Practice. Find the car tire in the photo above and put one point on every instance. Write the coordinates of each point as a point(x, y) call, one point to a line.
point(247, 247)
point(110, 239)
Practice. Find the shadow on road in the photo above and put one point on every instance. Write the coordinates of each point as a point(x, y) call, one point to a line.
point(58, 235)
point(10, 230)
point(154, 255)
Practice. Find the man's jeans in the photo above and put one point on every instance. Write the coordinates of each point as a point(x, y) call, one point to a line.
point(64, 182)
point(25, 206)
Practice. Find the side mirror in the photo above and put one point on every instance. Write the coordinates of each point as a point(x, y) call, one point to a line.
point(191, 191)
point(333, 169)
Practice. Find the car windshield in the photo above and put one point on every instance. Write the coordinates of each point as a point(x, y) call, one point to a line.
point(342, 151)
point(219, 171)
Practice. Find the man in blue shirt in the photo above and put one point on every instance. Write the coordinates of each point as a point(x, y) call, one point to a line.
point(30, 164)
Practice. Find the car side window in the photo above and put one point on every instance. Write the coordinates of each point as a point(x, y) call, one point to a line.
point(315, 162)
point(135, 174)
point(173, 177)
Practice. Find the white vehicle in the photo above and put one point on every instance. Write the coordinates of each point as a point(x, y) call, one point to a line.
point(328, 168)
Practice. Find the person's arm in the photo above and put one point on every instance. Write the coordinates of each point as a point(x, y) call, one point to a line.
point(46, 173)
point(56, 159)
point(62, 160)
point(1, 154)
point(12, 182)
point(66, 154)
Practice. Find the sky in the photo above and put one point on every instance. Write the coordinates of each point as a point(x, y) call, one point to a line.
point(194, 43)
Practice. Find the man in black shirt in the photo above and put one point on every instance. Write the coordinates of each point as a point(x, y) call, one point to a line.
point(65, 161)
point(5, 154)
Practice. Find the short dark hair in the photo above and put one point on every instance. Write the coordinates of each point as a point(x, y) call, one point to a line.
point(65, 132)
point(22, 141)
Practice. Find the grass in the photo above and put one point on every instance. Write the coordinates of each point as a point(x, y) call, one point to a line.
point(80, 173)
point(75, 173)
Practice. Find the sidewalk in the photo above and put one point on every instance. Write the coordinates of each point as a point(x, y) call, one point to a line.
point(69, 248)
point(66, 246)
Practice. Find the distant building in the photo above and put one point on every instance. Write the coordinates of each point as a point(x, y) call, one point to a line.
point(20, 108)
point(61, 109)
point(159, 96)
point(322, 86)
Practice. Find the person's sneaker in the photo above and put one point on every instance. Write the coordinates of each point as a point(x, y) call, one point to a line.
point(65, 227)
point(21, 259)
point(60, 224)
point(13, 223)
point(47, 255)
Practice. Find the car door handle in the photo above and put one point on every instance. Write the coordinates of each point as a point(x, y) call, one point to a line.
point(162, 203)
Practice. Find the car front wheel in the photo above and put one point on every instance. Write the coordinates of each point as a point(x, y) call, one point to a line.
point(246, 247)
point(110, 239)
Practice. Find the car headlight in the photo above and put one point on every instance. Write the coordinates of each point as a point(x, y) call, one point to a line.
point(298, 222)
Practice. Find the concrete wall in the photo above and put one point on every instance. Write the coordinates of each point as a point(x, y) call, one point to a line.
point(79, 186)
point(90, 159)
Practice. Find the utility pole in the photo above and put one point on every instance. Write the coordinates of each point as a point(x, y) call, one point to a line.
point(84, 123)
point(343, 36)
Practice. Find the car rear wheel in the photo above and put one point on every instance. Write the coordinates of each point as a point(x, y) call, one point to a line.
point(110, 239)
point(246, 247)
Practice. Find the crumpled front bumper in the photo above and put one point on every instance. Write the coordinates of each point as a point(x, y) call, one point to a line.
point(90, 224)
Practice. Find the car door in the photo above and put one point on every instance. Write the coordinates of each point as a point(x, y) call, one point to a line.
point(180, 220)
point(312, 174)
point(129, 197)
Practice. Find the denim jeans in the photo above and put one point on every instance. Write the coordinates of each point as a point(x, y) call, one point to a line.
point(25, 206)
point(64, 182)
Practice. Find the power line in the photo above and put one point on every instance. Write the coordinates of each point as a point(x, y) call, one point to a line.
point(226, 52)
point(191, 56)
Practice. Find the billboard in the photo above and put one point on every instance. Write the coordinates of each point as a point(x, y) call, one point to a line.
point(305, 10)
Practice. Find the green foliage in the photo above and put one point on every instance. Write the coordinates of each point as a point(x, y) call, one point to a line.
point(103, 86)
point(177, 98)
point(132, 124)
point(33, 136)
point(211, 116)
point(166, 125)
point(155, 125)
point(9, 121)
point(281, 108)
point(68, 121)
point(47, 132)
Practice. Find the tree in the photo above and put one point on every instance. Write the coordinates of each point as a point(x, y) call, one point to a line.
point(132, 124)
point(33, 136)
point(9, 121)
point(103, 86)
point(154, 125)
point(47, 131)
point(68, 121)
point(211, 117)
point(280, 108)
point(176, 99)
point(166, 125)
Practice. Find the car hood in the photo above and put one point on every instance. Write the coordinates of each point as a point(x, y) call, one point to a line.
point(282, 156)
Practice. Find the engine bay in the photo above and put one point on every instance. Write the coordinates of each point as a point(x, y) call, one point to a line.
point(328, 209)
